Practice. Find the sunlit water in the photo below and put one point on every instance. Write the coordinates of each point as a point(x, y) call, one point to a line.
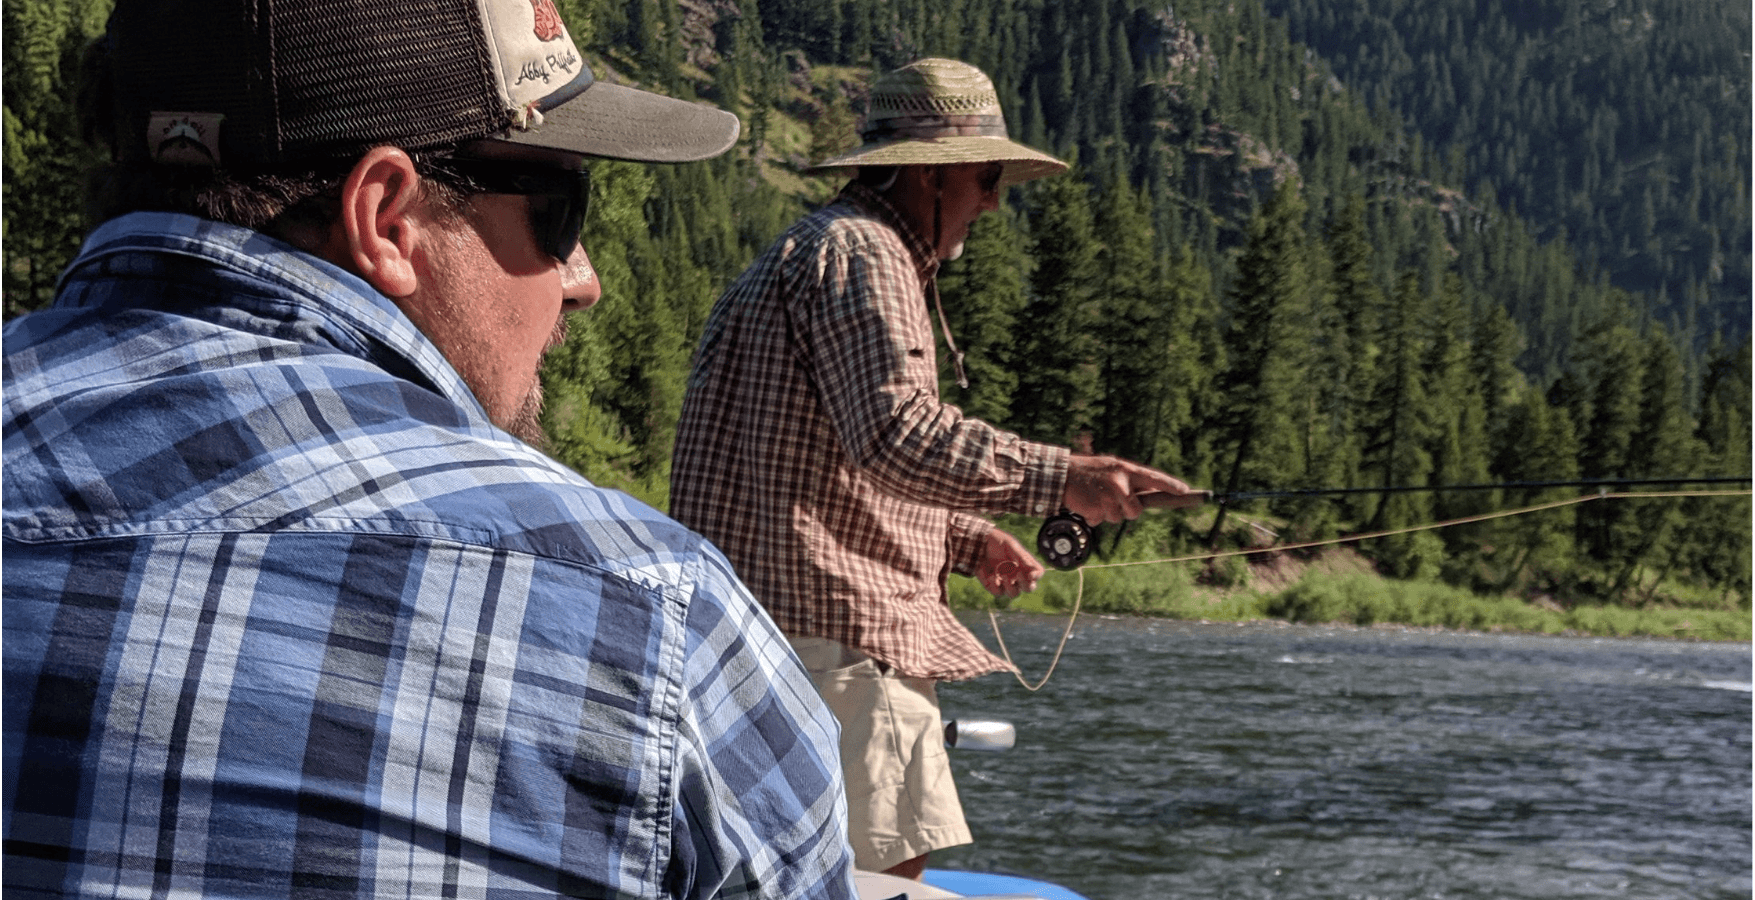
point(1170, 760)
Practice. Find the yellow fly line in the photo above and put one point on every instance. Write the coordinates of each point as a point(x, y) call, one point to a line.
point(1078, 598)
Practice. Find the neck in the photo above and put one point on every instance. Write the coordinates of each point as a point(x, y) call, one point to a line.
point(915, 195)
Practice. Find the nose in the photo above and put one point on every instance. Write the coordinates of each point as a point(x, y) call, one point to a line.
point(580, 289)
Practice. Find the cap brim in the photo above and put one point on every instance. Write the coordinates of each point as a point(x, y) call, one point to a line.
point(618, 122)
point(1021, 163)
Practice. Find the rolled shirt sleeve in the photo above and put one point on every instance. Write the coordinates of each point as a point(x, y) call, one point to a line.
point(870, 351)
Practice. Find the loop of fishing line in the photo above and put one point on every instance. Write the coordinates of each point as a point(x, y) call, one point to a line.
point(1079, 597)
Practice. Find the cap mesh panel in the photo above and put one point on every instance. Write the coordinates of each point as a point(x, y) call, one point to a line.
point(353, 73)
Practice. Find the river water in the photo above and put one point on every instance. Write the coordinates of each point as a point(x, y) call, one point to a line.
point(1178, 760)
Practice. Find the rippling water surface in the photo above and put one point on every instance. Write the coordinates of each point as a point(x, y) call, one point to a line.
point(1168, 760)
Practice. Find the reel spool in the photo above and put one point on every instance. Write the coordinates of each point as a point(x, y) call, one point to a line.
point(1066, 540)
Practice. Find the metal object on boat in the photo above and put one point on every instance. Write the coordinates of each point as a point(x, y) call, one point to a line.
point(976, 734)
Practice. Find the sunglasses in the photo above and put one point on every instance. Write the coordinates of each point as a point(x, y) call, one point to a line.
point(559, 198)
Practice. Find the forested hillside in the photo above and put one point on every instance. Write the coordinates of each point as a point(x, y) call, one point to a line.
point(1622, 127)
point(1264, 273)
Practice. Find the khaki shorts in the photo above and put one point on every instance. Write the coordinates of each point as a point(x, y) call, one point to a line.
point(901, 802)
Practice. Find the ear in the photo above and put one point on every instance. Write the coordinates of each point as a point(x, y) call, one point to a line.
point(918, 179)
point(382, 215)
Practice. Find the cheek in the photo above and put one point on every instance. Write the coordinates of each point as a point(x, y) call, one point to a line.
point(505, 317)
point(528, 321)
point(528, 280)
point(538, 301)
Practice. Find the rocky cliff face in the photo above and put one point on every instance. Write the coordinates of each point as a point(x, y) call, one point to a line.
point(1232, 171)
point(700, 21)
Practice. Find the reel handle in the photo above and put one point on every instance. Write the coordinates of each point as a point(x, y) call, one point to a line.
point(1066, 539)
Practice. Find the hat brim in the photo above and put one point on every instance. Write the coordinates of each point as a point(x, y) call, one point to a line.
point(617, 122)
point(1021, 163)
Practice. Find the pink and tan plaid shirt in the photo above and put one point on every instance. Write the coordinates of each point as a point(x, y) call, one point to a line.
point(815, 452)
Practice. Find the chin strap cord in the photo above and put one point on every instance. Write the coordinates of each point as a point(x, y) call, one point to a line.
point(951, 342)
point(944, 325)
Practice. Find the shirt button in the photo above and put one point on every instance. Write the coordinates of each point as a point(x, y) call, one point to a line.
point(1040, 508)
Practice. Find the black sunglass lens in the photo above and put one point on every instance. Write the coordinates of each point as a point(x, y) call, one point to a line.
point(559, 218)
point(578, 204)
point(558, 199)
point(551, 220)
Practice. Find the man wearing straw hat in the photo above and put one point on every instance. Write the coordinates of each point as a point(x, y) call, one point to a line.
point(814, 449)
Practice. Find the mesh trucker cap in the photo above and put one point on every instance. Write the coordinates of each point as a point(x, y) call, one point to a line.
point(263, 83)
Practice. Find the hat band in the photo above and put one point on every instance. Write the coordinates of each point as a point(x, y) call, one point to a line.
point(928, 127)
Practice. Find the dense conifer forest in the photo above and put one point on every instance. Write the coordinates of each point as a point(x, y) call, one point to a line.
point(1609, 125)
point(1304, 244)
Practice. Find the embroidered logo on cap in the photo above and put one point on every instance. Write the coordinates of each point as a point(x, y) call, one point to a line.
point(184, 139)
point(548, 20)
point(539, 66)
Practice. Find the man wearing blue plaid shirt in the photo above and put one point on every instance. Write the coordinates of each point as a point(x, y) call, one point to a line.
point(290, 609)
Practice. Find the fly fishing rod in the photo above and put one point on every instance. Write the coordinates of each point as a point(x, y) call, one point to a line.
point(1600, 483)
point(1066, 539)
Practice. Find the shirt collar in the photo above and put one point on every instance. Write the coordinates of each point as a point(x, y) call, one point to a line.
point(271, 276)
point(874, 204)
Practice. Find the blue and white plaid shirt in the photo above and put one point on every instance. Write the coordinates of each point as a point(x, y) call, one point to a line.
point(285, 615)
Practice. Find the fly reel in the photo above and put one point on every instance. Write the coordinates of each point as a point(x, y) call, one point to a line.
point(1065, 540)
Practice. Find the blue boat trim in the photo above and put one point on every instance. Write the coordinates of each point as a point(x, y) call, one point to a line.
point(973, 884)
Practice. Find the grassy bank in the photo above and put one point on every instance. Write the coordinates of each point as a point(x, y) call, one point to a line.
point(1354, 597)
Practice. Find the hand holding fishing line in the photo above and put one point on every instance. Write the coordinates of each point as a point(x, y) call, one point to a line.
point(1007, 569)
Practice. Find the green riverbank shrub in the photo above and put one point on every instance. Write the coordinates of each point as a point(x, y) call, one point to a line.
point(1229, 572)
point(1364, 600)
point(1367, 600)
point(1699, 624)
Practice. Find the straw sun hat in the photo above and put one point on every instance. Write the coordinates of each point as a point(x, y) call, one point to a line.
point(936, 112)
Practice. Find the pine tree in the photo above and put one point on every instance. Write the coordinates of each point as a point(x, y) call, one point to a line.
point(984, 292)
point(1056, 397)
point(1191, 371)
point(596, 409)
point(46, 160)
point(1663, 446)
point(1351, 346)
point(1493, 359)
point(1267, 349)
point(1546, 449)
point(1400, 429)
point(1720, 527)
point(1459, 442)
point(1610, 367)
point(1130, 326)
point(833, 131)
